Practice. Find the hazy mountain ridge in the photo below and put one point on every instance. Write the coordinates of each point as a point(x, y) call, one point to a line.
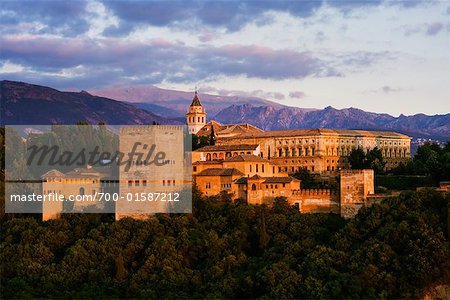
point(177, 100)
point(23, 103)
point(268, 118)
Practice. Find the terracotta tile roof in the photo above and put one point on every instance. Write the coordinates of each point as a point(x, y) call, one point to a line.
point(77, 173)
point(208, 162)
point(246, 157)
point(228, 147)
point(239, 128)
point(83, 173)
point(286, 179)
point(279, 179)
point(53, 174)
point(322, 131)
point(221, 129)
point(220, 172)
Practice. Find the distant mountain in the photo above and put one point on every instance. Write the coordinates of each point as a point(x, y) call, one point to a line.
point(158, 109)
point(269, 118)
point(23, 103)
point(176, 101)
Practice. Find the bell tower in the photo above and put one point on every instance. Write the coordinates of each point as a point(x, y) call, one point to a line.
point(196, 115)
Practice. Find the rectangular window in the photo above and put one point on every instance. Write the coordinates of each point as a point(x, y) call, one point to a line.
point(136, 183)
point(144, 182)
point(130, 183)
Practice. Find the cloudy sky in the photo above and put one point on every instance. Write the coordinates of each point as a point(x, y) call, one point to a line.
point(381, 56)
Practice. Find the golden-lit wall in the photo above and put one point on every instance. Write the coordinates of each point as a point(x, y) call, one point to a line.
point(213, 185)
point(195, 119)
point(67, 187)
point(166, 178)
point(355, 187)
point(220, 155)
point(324, 153)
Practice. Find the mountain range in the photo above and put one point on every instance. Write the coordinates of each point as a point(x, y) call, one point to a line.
point(23, 103)
point(268, 118)
point(28, 104)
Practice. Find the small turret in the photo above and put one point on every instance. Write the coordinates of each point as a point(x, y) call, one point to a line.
point(196, 115)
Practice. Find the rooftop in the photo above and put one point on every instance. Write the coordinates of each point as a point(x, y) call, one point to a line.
point(196, 100)
point(322, 131)
point(279, 179)
point(228, 147)
point(246, 157)
point(220, 172)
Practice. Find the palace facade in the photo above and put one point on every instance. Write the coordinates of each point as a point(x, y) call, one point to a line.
point(255, 165)
point(322, 151)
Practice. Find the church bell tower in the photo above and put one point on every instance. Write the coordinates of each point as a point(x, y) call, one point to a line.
point(196, 115)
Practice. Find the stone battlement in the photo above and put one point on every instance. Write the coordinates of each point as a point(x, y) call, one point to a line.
point(315, 192)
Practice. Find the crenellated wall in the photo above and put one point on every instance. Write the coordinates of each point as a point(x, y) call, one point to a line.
point(316, 200)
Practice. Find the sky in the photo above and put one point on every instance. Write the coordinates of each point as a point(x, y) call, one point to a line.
point(381, 56)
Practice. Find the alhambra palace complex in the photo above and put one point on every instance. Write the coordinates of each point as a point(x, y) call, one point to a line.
point(252, 164)
point(255, 165)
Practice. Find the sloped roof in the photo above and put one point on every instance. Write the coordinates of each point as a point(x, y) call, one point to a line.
point(208, 162)
point(255, 177)
point(53, 174)
point(84, 173)
point(228, 147)
point(221, 129)
point(279, 179)
point(322, 131)
point(196, 100)
point(220, 172)
point(246, 157)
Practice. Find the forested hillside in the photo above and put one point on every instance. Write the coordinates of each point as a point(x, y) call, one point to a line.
point(396, 249)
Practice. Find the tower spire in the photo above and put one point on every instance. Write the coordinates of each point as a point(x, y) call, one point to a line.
point(196, 115)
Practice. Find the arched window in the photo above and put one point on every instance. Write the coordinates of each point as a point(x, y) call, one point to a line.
point(253, 187)
point(208, 156)
point(81, 191)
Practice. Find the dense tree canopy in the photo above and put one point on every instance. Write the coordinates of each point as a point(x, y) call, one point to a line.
point(430, 160)
point(199, 141)
point(373, 159)
point(232, 250)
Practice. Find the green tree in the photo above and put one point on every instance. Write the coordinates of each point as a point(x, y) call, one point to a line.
point(374, 160)
point(357, 159)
